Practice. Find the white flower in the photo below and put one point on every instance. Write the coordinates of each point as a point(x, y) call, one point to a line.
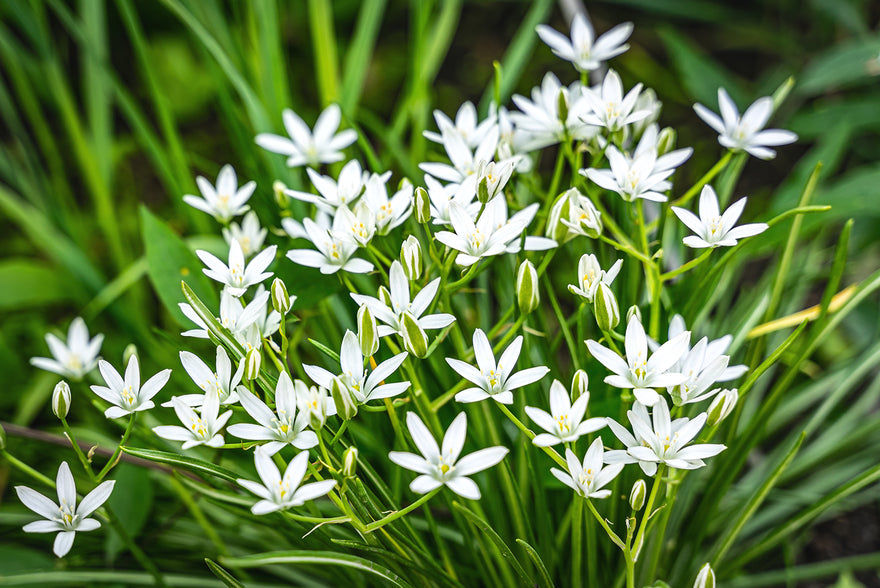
point(334, 250)
point(233, 315)
point(700, 374)
point(714, 350)
point(565, 422)
point(464, 160)
point(400, 302)
point(226, 200)
point(496, 176)
point(315, 402)
point(481, 239)
point(358, 226)
point(64, 518)
point(581, 50)
point(465, 125)
point(74, 359)
point(128, 396)
point(238, 277)
point(609, 108)
point(588, 478)
point(333, 193)
point(221, 382)
point(249, 234)
point(591, 274)
point(363, 387)
point(280, 493)
point(632, 178)
point(197, 429)
point(649, 143)
point(388, 213)
point(540, 124)
point(577, 214)
point(745, 133)
point(493, 380)
point(660, 440)
point(439, 468)
point(712, 228)
point(305, 147)
point(442, 197)
point(279, 428)
point(639, 371)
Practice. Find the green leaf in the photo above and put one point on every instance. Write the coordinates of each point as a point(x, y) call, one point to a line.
point(169, 261)
point(29, 283)
point(225, 577)
point(325, 558)
point(545, 580)
point(131, 502)
point(700, 75)
point(17, 559)
point(847, 64)
point(484, 528)
point(192, 464)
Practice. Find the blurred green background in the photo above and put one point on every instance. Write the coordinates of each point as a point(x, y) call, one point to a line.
point(112, 107)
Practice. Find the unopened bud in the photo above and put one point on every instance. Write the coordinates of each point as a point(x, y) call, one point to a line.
point(722, 406)
point(633, 311)
point(415, 340)
point(411, 258)
point(61, 399)
point(346, 407)
point(252, 362)
point(483, 190)
point(368, 331)
point(385, 296)
point(637, 495)
point(666, 141)
point(281, 301)
point(527, 287)
point(130, 351)
point(706, 577)
point(349, 462)
point(580, 385)
point(279, 190)
point(605, 308)
point(562, 105)
point(556, 229)
point(422, 206)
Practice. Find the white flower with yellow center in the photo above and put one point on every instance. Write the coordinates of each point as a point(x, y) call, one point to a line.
point(443, 467)
point(222, 382)
point(388, 213)
point(284, 426)
point(127, 395)
point(583, 49)
point(481, 239)
point(496, 381)
point(314, 401)
point(202, 428)
point(333, 193)
point(712, 228)
point(224, 201)
point(75, 358)
point(235, 317)
point(464, 161)
point(305, 147)
point(64, 518)
point(236, 276)
point(745, 133)
point(565, 422)
point(541, 124)
point(465, 125)
point(591, 274)
point(282, 492)
point(660, 440)
point(632, 178)
point(442, 197)
point(364, 387)
point(334, 249)
point(587, 478)
point(358, 225)
point(249, 234)
point(609, 108)
point(640, 371)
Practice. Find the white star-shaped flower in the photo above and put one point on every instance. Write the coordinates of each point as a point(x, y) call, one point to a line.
point(540, 123)
point(465, 125)
point(484, 238)
point(64, 518)
point(335, 249)
point(609, 108)
point(222, 382)
point(249, 234)
point(591, 274)
point(201, 428)
point(281, 493)
point(127, 395)
point(236, 276)
point(75, 358)
point(443, 467)
point(496, 381)
point(333, 193)
point(583, 50)
point(305, 147)
point(632, 178)
point(745, 133)
point(589, 477)
point(225, 201)
point(565, 422)
point(712, 228)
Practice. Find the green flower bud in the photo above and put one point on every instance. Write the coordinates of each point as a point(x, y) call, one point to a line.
point(580, 385)
point(666, 141)
point(605, 308)
point(556, 230)
point(346, 406)
point(349, 462)
point(61, 399)
point(385, 296)
point(252, 362)
point(281, 300)
point(415, 340)
point(279, 191)
point(527, 287)
point(637, 495)
point(706, 577)
point(422, 206)
point(721, 406)
point(130, 351)
point(411, 258)
point(562, 105)
point(633, 311)
point(483, 190)
point(368, 331)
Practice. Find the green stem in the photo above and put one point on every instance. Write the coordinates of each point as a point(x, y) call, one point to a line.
point(86, 464)
point(576, 541)
point(686, 267)
point(20, 465)
point(707, 177)
point(399, 513)
point(531, 435)
point(655, 488)
point(563, 325)
point(611, 534)
point(112, 461)
point(133, 548)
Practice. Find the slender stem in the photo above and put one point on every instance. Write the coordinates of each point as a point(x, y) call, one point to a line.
point(707, 177)
point(111, 463)
point(133, 548)
point(563, 325)
point(399, 513)
point(611, 534)
point(20, 465)
point(531, 435)
point(86, 464)
point(469, 274)
point(686, 267)
point(648, 508)
point(576, 541)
